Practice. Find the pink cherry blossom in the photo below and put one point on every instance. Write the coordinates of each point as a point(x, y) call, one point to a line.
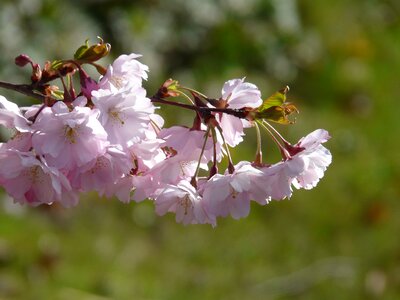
point(237, 94)
point(313, 160)
point(172, 170)
point(302, 170)
point(69, 139)
point(231, 193)
point(275, 183)
point(12, 117)
point(125, 114)
point(21, 141)
point(232, 129)
point(101, 173)
point(122, 189)
point(183, 200)
point(189, 142)
point(125, 72)
point(30, 180)
point(145, 154)
point(143, 187)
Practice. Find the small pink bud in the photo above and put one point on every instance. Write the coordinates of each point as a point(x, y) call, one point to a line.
point(169, 89)
point(87, 84)
point(22, 60)
point(36, 73)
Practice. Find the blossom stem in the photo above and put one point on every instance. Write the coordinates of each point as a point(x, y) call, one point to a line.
point(285, 154)
point(231, 167)
point(194, 181)
point(214, 168)
point(156, 128)
point(192, 90)
point(33, 118)
point(66, 90)
point(276, 132)
point(99, 68)
point(187, 97)
point(258, 159)
point(71, 86)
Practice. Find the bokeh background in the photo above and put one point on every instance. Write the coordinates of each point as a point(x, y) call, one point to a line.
point(337, 241)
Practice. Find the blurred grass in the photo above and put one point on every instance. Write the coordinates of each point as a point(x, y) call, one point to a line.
point(337, 241)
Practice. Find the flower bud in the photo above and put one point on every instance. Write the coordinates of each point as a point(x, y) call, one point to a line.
point(22, 60)
point(87, 53)
point(36, 73)
point(169, 89)
point(87, 84)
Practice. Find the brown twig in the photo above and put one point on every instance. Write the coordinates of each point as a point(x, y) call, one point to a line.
point(202, 110)
point(25, 89)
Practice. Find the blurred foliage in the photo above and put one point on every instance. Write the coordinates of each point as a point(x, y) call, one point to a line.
point(338, 241)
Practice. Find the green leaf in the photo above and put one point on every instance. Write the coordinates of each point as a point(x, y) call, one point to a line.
point(278, 114)
point(276, 109)
point(81, 50)
point(56, 64)
point(276, 99)
point(59, 95)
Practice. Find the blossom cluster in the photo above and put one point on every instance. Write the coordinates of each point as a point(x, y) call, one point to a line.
point(109, 139)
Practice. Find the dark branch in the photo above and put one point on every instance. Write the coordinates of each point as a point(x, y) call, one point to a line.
point(23, 89)
point(202, 110)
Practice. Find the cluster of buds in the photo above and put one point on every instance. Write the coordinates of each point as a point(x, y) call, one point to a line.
point(106, 137)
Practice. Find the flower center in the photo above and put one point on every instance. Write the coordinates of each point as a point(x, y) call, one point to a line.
point(183, 165)
point(70, 133)
point(234, 193)
point(185, 203)
point(115, 115)
point(101, 163)
point(35, 174)
point(117, 81)
point(18, 136)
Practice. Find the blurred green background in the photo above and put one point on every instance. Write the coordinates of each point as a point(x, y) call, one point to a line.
point(337, 241)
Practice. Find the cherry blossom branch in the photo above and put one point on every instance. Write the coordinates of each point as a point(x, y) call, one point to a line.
point(28, 90)
point(107, 138)
point(202, 110)
point(25, 89)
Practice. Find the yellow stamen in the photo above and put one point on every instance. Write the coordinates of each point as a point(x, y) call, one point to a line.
point(234, 193)
point(70, 134)
point(186, 203)
point(117, 81)
point(116, 116)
